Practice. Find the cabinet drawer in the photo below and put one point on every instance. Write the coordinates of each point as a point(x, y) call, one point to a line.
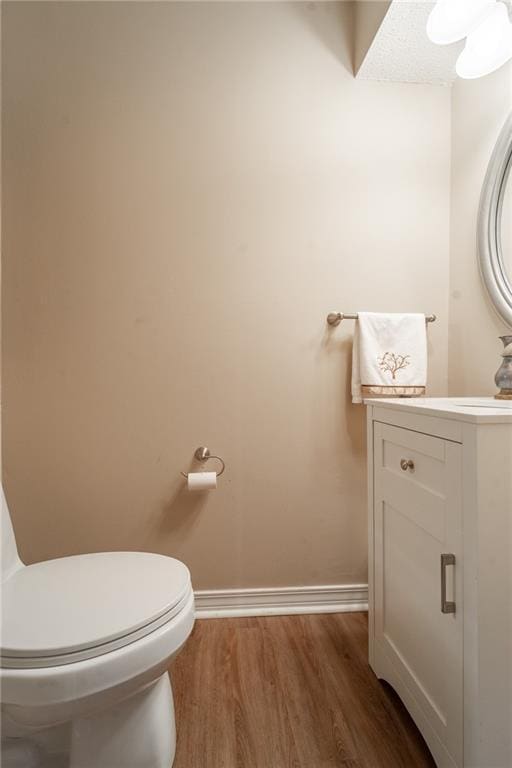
point(414, 459)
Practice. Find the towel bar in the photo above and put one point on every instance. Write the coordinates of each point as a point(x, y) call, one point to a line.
point(335, 318)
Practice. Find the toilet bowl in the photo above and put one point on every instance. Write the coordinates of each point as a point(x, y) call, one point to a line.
point(85, 647)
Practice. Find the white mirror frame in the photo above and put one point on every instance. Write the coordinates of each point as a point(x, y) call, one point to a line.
point(492, 265)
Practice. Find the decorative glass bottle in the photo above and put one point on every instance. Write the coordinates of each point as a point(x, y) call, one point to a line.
point(503, 376)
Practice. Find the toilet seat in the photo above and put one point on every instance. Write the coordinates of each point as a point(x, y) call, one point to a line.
point(75, 608)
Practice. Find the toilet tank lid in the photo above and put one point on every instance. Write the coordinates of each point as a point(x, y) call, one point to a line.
point(74, 603)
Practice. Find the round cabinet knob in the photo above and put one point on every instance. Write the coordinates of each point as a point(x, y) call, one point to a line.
point(407, 464)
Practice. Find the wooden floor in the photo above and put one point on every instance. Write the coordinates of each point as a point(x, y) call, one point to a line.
point(288, 692)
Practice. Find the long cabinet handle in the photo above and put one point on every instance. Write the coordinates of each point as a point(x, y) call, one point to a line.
point(446, 605)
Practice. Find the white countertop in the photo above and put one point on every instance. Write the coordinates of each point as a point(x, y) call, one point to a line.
point(472, 409)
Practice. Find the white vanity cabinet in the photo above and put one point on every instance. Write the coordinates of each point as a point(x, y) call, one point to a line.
point(440, 570)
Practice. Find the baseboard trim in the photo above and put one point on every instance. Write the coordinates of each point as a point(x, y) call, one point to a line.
point(276, 601)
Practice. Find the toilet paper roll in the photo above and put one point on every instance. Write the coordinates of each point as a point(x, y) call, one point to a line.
point(201, 481)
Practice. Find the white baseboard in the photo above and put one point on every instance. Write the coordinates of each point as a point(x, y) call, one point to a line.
point(274, 601)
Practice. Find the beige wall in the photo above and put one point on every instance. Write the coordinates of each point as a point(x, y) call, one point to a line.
point(368, 16)
point(189, 190)
point(479, 109)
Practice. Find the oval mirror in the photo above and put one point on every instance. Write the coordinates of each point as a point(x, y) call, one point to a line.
point(495, 225)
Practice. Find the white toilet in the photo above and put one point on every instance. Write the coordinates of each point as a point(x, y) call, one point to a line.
point(86, 642)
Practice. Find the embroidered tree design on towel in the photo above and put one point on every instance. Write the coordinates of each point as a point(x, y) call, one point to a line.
point(393, 363)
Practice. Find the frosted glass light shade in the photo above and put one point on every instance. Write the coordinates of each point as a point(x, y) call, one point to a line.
point(488, 47)
point(453, 20)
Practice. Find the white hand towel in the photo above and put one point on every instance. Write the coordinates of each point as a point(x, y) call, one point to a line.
point(389, 356)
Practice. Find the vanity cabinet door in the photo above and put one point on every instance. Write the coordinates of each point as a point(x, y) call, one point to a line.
point(417, 520)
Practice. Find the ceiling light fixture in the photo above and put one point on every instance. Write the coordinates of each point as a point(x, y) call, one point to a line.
point(453, 20)
point(488, 47)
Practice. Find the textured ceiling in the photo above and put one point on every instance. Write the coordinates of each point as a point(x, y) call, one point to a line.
point(401, 51)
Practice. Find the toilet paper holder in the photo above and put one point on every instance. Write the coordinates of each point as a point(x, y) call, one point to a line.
point(203, 454)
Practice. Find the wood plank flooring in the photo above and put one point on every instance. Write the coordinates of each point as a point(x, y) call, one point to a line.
point(288, 692)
